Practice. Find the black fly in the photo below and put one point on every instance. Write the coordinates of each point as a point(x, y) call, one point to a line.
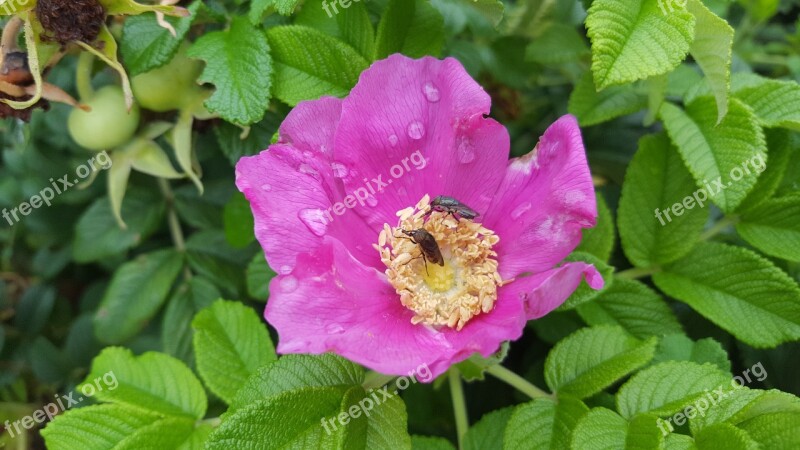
point(427, 244)
point(453, 207)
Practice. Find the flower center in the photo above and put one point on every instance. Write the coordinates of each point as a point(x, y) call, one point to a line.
point(448, 292)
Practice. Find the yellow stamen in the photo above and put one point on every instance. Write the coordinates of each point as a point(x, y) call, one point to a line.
point(448, 295)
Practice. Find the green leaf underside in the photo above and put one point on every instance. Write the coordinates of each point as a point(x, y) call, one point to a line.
point(712, 49)
point(774, 227)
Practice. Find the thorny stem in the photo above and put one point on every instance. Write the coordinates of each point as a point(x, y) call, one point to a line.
point(517, 382)
point(459, 405)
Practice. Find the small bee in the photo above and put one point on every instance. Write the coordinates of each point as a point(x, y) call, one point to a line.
point(427, 244)
point(453, 207)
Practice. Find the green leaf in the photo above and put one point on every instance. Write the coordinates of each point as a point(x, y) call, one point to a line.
point(678, 347)
point(152, 382)
point(780, 151)
point(738, 290)
point(558, 44)
point(293, 372)
point(430, 443)
point(210, 255)
point(584, 293)
point(259, 276)
point(603, 429)
point(742, 405)
point(98, 236)
point(712, 49)
point(351, 25)
point(130, 8)
point(651, 231)
point(301, 400)
point(230, 343)
point(147, 45)
point(333, 70)
point(635, 39)
point(774, 101)
point(592, 107)
point(259, 7)
point(592, 359)
point(633, 306)
point(724, 436)
point(238, 63)
point(238, 220)
point(544, 424)
point(774, 227)
point(34, 308)
point(668, 387)
point(137, 291)
point(776, 430)
point(715, 152)
point(413, 28)
point(599, 241)
point(487, 433)
point(116, 426)
point(176, 328)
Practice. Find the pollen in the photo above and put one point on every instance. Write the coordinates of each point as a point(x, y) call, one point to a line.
point(441, 295)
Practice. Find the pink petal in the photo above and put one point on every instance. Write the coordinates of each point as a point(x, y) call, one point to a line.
point(291, 188)
point(333, 303)
point(404, 110)
point(544, 201)
point(546, 291)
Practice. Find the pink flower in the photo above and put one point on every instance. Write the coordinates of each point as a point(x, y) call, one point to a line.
point(331, 197)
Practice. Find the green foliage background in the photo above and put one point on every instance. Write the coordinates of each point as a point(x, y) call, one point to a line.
point(670, 94)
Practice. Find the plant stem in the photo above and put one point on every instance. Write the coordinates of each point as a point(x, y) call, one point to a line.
point(83, 76)
point(636, 272)
point(374, 380)
point(517, 382)
point(459, 405)
point(174, 224)
point(718, 227)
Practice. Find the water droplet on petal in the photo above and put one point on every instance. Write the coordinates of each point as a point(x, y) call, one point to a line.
point(315, 220)
point(372, 201)
point(520, 210)
point(308, 155)
point(339, 170)
point(285, 270)
point(466, 153)
point(416, 130)
point(393, 140)
point(431, 92)
point(308, 170)
point(288, 284)
point(334, 328)
point(266, 187)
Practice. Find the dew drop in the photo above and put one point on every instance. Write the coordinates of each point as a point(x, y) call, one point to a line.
point(520, 210)
point(308, 155)
point(308, 170)
point(285, 270)
point(339, 170)
point(416, 130)
point(334, 328)
point(288, 284)
point(466, 153)
point(393, 140)
point(315, 220)
point(266, 187)
point(372, 201)
point(431, 92)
